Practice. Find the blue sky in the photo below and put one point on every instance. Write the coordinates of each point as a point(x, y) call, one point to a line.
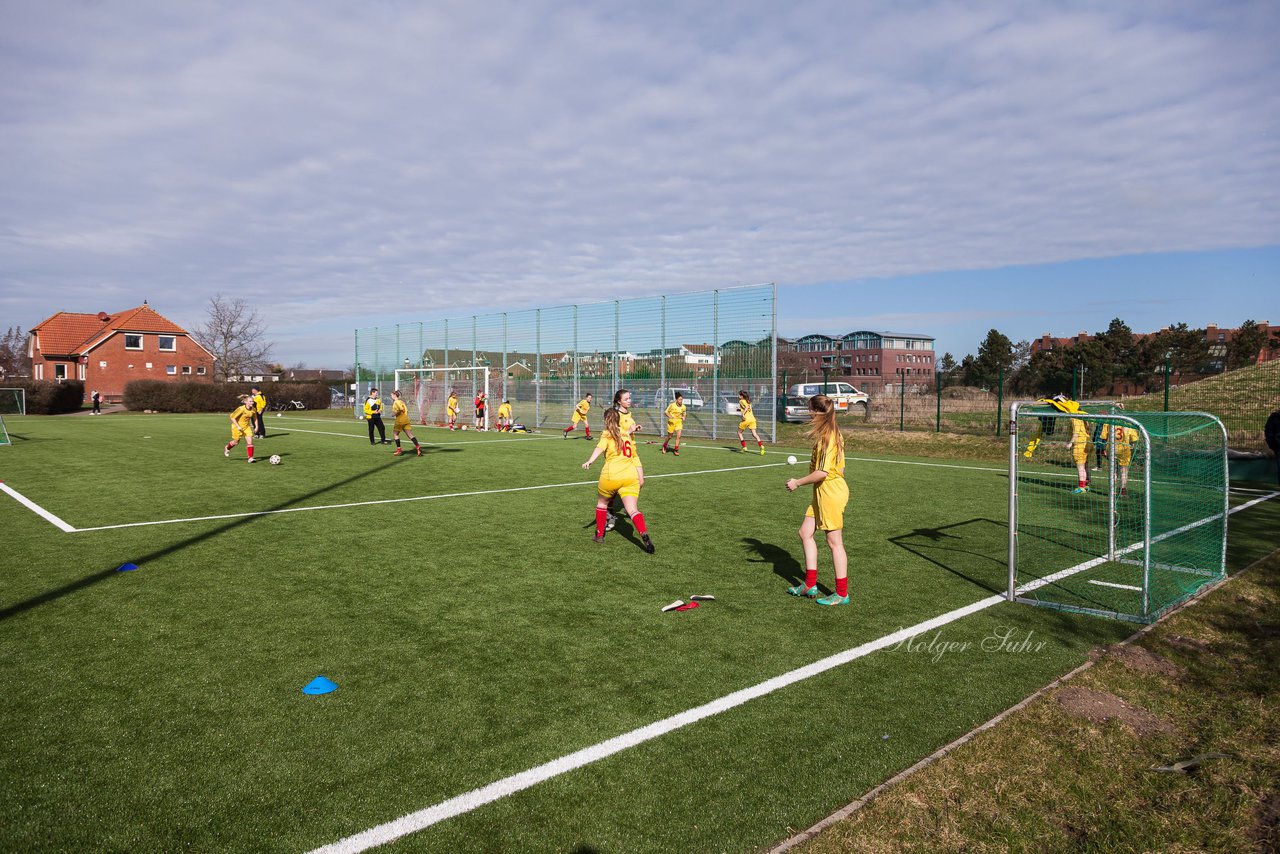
point(936, 167)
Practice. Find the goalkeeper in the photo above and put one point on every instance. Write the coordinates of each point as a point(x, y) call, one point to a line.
point(1060, 402)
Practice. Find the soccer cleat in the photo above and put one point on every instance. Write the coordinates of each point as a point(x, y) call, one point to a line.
point(597, 538)
point(252, 460)
point(762, 452)
point(676, 452)
point(664, 449)
point(801, 590)
point(419, 450)
point(397, 452)
point(833, 599)
point(226, 452)
point(1079, 490)
point(646, 543)
point(609, 521)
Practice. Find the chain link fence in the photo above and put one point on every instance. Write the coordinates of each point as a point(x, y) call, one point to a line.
point(709, 345)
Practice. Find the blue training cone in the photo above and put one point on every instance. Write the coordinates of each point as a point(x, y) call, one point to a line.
point(320, 685)
point(126, 567)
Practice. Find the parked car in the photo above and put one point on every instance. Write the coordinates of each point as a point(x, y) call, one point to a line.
point(729, 404)
point(795, 409)
point(665, 396)
point(841, 393)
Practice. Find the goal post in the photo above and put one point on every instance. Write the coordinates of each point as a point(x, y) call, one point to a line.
point(13, 401)
point(1148, 529)
point(426, 393)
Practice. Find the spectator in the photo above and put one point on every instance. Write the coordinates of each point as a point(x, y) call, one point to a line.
point(97, 402)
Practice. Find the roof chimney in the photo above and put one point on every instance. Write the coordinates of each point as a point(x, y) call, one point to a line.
point(103, 316)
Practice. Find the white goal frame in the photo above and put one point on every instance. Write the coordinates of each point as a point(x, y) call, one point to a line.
point(425, 391)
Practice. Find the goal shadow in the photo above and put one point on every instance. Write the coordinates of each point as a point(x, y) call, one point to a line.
point(958, 549)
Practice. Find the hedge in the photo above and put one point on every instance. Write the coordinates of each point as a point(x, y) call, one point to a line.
point(46, 397)
point(160, 396)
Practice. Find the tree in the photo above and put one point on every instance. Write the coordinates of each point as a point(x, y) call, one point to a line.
point(234, 334)
point(947, 364)
point(995, 357)
point(1245, 345)
point(13, 353)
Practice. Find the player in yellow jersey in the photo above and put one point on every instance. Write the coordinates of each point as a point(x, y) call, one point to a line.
point(373, 414)
point(1080, 444)
point(675, 422)
point(826, 510)
point(1060, 402)
point(400, 423)
point(504, 416)
point(748, 422)
point(242, 425)
point(623, 475)
point(580, 414)
point(259, 407)
point(1126, 439)
point(627, 424)
point(451, 409)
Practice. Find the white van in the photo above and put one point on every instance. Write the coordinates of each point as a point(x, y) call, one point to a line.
point(665, 396)
point(842, 394)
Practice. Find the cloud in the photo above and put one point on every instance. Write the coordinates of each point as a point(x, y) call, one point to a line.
point(397, 160)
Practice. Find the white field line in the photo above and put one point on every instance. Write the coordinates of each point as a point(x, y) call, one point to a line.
point(366, 438)
point(1113, 584)
point(404, 500)
point(476, 798)
point(35, 508)
point(416, 821)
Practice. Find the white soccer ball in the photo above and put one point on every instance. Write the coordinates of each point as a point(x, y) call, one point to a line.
point(275, 459)
point(791, 460)
point(279, 415)
point(464, 427)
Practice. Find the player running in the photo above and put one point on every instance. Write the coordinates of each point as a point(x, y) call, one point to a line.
point(826, 510)
point(675, 422)
point(451, 409)
point(622, 475)
point(400, 423)
point(580, 414)
point(242, 425)
point(504, 416)
point(748, 422)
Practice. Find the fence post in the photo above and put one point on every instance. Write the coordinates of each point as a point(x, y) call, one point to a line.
point(537, 372)
point(938, 387)
point(1166, 382)
point(902, 400)
point(999, 397)
point(715, 363)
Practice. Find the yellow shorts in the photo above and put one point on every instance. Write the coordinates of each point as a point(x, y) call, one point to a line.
point(452, 413)
point(1080, 452)
point(827, 507)
point(578, 416)
point(401, 425)
point(607, 488)
point(675, 426)
point(1124, 455)
point(746, 424)
point(236, 433)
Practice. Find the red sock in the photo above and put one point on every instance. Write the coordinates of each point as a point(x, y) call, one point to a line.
point(1084, 483)
point(664, 446)
point(811, 578)
point(601, 515)
point(229, 446)
point(250, 449)
point(744, 442)
point(761, 444)
point(588, 434)
point(638, 521)
point(842, 586)
point(677, 446)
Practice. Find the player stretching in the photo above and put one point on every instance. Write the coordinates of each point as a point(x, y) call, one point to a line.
point(580, 414)
point(480, 404)
point(504, 416)
point(748, 422)
point(675, 422)
point(451, 409)
point(622, 475)
point(826, 511)
point(242, 425)
point(400, 424)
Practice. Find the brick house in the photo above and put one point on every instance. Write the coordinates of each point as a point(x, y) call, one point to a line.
point(106, 351)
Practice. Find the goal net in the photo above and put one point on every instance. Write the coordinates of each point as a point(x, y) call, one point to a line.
point(1118, 514)
point(426, 394)
point(13, 401)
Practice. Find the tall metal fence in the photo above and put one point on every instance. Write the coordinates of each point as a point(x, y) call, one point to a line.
point(1242, 399)
point(708, 344)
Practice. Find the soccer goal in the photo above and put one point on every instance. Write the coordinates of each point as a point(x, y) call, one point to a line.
point(13, 401)
point(426, 393)
point(1146, 531)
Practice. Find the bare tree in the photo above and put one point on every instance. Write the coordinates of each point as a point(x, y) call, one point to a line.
point(14, 361)
point(233, 332)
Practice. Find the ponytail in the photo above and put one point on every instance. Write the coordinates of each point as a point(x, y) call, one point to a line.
point(823, 428)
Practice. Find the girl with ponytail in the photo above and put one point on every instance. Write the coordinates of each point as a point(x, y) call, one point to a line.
point(826, 510)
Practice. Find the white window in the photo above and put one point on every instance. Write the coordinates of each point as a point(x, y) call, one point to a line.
point(59, 372)
point(148, 366)
point(133, 342)
point(171, 370)
point(102, 364)
point(200, 371)
point(186, 370)
point(168, 343)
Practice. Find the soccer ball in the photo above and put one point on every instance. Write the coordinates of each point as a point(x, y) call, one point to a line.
point(275, 459)
point(464, 427)
point(791, 460)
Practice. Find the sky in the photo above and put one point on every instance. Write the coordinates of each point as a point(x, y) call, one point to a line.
point(933, 167)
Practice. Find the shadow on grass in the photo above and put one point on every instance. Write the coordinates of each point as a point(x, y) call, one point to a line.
point(952, 548)
point(784, 563)
point(102, 575)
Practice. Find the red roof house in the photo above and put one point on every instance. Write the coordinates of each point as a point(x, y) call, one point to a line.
point(106, 351)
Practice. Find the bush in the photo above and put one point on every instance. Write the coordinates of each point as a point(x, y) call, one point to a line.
point(46, 397)
point(160, 396)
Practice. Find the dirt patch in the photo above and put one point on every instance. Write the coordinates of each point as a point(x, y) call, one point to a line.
point(1100, 706)
point(1187, 644)
point(1266, 827)
point(1142, 660)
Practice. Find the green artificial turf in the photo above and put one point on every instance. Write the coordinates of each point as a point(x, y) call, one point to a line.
point(476, 636)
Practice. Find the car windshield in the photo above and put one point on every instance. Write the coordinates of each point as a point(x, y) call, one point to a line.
point(796, 401)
